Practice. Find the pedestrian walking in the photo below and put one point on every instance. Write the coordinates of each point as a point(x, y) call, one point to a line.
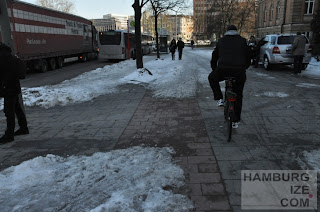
point(252, 43)
point(192, 44)
point(230, 58)
point(298, 50)
point(172, 48)
point(180, 45)
point(10, 90)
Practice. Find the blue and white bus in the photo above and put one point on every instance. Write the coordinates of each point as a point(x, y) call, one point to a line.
point(113, 44)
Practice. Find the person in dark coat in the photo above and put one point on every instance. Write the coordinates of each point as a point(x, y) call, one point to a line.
point(172, 48)
point(298, 50)
point(10, 90)
point(192, 44)
point(180, 45)
point(230, 58)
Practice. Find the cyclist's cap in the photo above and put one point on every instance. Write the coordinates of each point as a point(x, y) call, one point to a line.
point(232, 27)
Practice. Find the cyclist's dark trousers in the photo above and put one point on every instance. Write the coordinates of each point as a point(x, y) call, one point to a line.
point(13, 105)
point(298, 63)
point(217, 76)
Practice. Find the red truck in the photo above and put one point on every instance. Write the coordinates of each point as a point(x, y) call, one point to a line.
point(43, 38)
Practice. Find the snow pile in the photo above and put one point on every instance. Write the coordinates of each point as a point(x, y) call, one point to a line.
point(273, 94)
point(83, 88)
point(313, 69)
point(313, 159)
point(134, 179)
point(170, 78)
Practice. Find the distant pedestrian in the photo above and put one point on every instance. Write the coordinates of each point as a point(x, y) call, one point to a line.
point(180, 45)
point(10, 89)
point(298, 50)
point(192, 44)
point(172, 48)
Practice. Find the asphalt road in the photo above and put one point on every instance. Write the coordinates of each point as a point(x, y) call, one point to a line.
point(70, 70)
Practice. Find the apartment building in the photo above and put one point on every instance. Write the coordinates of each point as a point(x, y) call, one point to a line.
point(106, 24)
point(173, 26)
point(285, 16)
point(201, 14)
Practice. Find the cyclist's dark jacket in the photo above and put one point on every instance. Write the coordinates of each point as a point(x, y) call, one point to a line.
point(231, 52)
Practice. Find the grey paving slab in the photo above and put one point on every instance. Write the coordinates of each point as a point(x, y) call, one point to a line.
point(273, 134)
point(77, 129)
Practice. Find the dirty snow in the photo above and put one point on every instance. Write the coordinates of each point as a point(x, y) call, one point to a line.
point(264, 75)
point(307, 85)
point(313, 69)
point(135, 179)
point(272, 94)
point(313, 159)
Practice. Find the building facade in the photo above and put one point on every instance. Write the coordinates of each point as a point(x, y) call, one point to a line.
point(106, 24)
point(285, 16)
point(121, 18)
point(173, 26)
point(201, 14)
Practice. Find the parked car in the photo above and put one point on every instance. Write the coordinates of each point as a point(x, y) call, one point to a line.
point(277, 50)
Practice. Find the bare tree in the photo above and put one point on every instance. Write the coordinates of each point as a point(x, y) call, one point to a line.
point(60, 5)
point(137, 6)
point(159, 7)
point(224, 13)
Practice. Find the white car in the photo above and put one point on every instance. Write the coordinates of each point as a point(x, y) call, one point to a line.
point(277, 50)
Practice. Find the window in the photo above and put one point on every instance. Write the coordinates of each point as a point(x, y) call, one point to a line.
point(278, 11)
point(265, 15)
point(308, 7)
point(271, 12)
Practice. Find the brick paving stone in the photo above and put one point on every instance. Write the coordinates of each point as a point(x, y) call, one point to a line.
point(205, 177)
point(207, 168)
point(178, 123)
point(201, 159)
point(211, 203)
point(212, 189)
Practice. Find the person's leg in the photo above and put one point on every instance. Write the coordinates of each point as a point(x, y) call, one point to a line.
point(238, 89)
point(21, 114)
point(9, 108)
point(296, 64)
point(214, 79)
point(300, 63)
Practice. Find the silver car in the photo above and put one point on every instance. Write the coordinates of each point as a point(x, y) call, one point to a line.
point(276, 49)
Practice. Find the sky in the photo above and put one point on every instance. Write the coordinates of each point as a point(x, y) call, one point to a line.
point(98, 8)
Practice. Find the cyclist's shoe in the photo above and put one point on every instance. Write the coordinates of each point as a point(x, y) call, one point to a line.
point(220, 103)
point(235, 125)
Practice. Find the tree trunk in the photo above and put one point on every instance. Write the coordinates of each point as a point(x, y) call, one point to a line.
point(5, 24)
point(157, 35)
point(137, 18)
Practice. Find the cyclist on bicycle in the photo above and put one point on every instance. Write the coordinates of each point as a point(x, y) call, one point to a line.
point(230, 58)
